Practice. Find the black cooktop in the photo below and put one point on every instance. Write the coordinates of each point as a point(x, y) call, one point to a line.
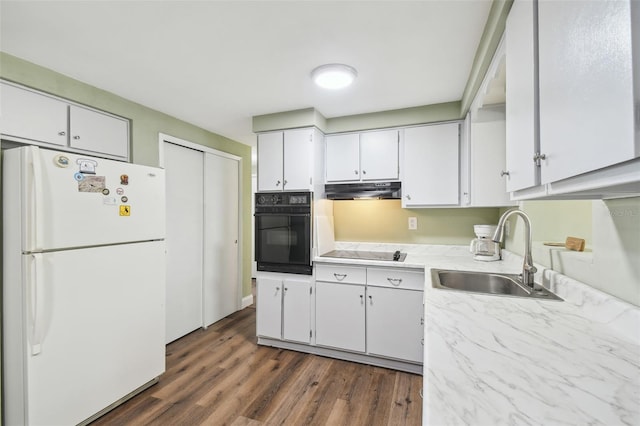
point(367, 255)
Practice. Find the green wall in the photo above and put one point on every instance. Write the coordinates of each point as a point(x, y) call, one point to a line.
point(385, 221)
point(146, 125)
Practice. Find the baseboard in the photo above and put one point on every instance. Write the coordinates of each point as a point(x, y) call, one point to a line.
point(247, 301)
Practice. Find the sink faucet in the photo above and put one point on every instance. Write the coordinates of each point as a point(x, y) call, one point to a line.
point(528, 270)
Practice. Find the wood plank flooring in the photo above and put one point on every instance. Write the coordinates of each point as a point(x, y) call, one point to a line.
point(220, 376)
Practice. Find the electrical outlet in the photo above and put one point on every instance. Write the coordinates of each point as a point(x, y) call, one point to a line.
point(413, 223)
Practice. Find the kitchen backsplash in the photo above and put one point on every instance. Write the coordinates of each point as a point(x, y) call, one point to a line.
point(385, 221)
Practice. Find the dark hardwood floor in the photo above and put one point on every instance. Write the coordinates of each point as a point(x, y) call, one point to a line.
point(220, 376)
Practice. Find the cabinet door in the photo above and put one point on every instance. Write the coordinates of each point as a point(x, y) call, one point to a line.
point(269, 308)
point(298, 156)
point(587, 104)
point(379, 155)
point(270, 161)
point(431, 165)
point(93, 131)
point(29, 115)
point(340, 315)
point(521, 96)
point(343, 158)
point(297, 311)
point(487, 160)
point(394, 323)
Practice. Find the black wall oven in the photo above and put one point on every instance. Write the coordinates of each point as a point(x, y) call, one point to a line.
point(283, 232)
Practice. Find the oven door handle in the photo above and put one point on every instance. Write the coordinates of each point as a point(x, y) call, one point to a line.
point(284, 214)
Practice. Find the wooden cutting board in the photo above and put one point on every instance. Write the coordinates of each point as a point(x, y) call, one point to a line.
point(572, 243)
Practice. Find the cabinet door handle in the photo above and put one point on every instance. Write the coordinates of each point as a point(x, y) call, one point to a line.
point(371, 300)
point(408, 197)
point(278, 183)
point(395, 281)
point(364, 172)
point(361, 299)
point(285, 289)
point(339, 277)
point(285, 183)
point(355, 171)
point(421, 321)
point(504, 173)
point(76, 137)
point(63, 133)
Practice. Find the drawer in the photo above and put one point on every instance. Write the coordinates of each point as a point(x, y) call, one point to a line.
point(411, 279)
point(341, 274)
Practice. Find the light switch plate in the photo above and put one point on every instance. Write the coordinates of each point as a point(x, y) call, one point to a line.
point(413, 223)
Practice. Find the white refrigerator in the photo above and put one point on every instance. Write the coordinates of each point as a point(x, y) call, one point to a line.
point(83, 284)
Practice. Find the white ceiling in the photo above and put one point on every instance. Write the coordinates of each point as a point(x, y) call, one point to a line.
point(218, 63)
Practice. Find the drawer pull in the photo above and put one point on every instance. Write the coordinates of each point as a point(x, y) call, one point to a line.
point(395, 281)
point(339, 277)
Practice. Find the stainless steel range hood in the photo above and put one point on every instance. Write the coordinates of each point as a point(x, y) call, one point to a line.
point(352, 191)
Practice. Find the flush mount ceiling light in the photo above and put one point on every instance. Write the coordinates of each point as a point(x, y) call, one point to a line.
point(333, 76)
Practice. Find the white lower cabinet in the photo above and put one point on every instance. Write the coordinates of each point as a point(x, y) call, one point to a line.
point(269, 307)
point(296, 311)
point(365, 314)
point(378, 311)
point(394, 323)
point(283, 308)
point(340, 316)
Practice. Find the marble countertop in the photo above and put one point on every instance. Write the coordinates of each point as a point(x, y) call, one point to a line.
point(493, 360)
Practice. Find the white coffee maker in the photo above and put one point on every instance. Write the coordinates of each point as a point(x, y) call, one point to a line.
point(483, 248)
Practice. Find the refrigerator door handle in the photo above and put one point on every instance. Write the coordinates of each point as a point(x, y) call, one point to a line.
point(36, 208)
point(36, 303)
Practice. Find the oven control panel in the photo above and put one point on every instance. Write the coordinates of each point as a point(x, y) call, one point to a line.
point(283, 199)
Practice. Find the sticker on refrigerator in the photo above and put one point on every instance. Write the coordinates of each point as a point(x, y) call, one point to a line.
point(92, 184)
point(61, 160)
point(87, 166)
point(125, 210)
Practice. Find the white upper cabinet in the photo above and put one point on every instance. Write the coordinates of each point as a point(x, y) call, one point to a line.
point(98, 133)
point(298, 159)
point(366, 156)
point(30, 115)
point(270, 161)
point(521, 96)
point(571, 130)
point(379, 155)
point(33, 117)
point(343, 157)
point(487, 158)
point(286, 160)
point(586, 86)
point(431, 165)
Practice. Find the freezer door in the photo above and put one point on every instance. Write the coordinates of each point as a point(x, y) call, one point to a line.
point(94, 329)
point(70, 200)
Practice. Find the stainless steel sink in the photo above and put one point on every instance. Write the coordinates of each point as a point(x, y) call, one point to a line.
point(487, 283)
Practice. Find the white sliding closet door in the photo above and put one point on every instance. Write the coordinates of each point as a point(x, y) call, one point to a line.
point(203, 258)
point(184, 169)
point(221, 287)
